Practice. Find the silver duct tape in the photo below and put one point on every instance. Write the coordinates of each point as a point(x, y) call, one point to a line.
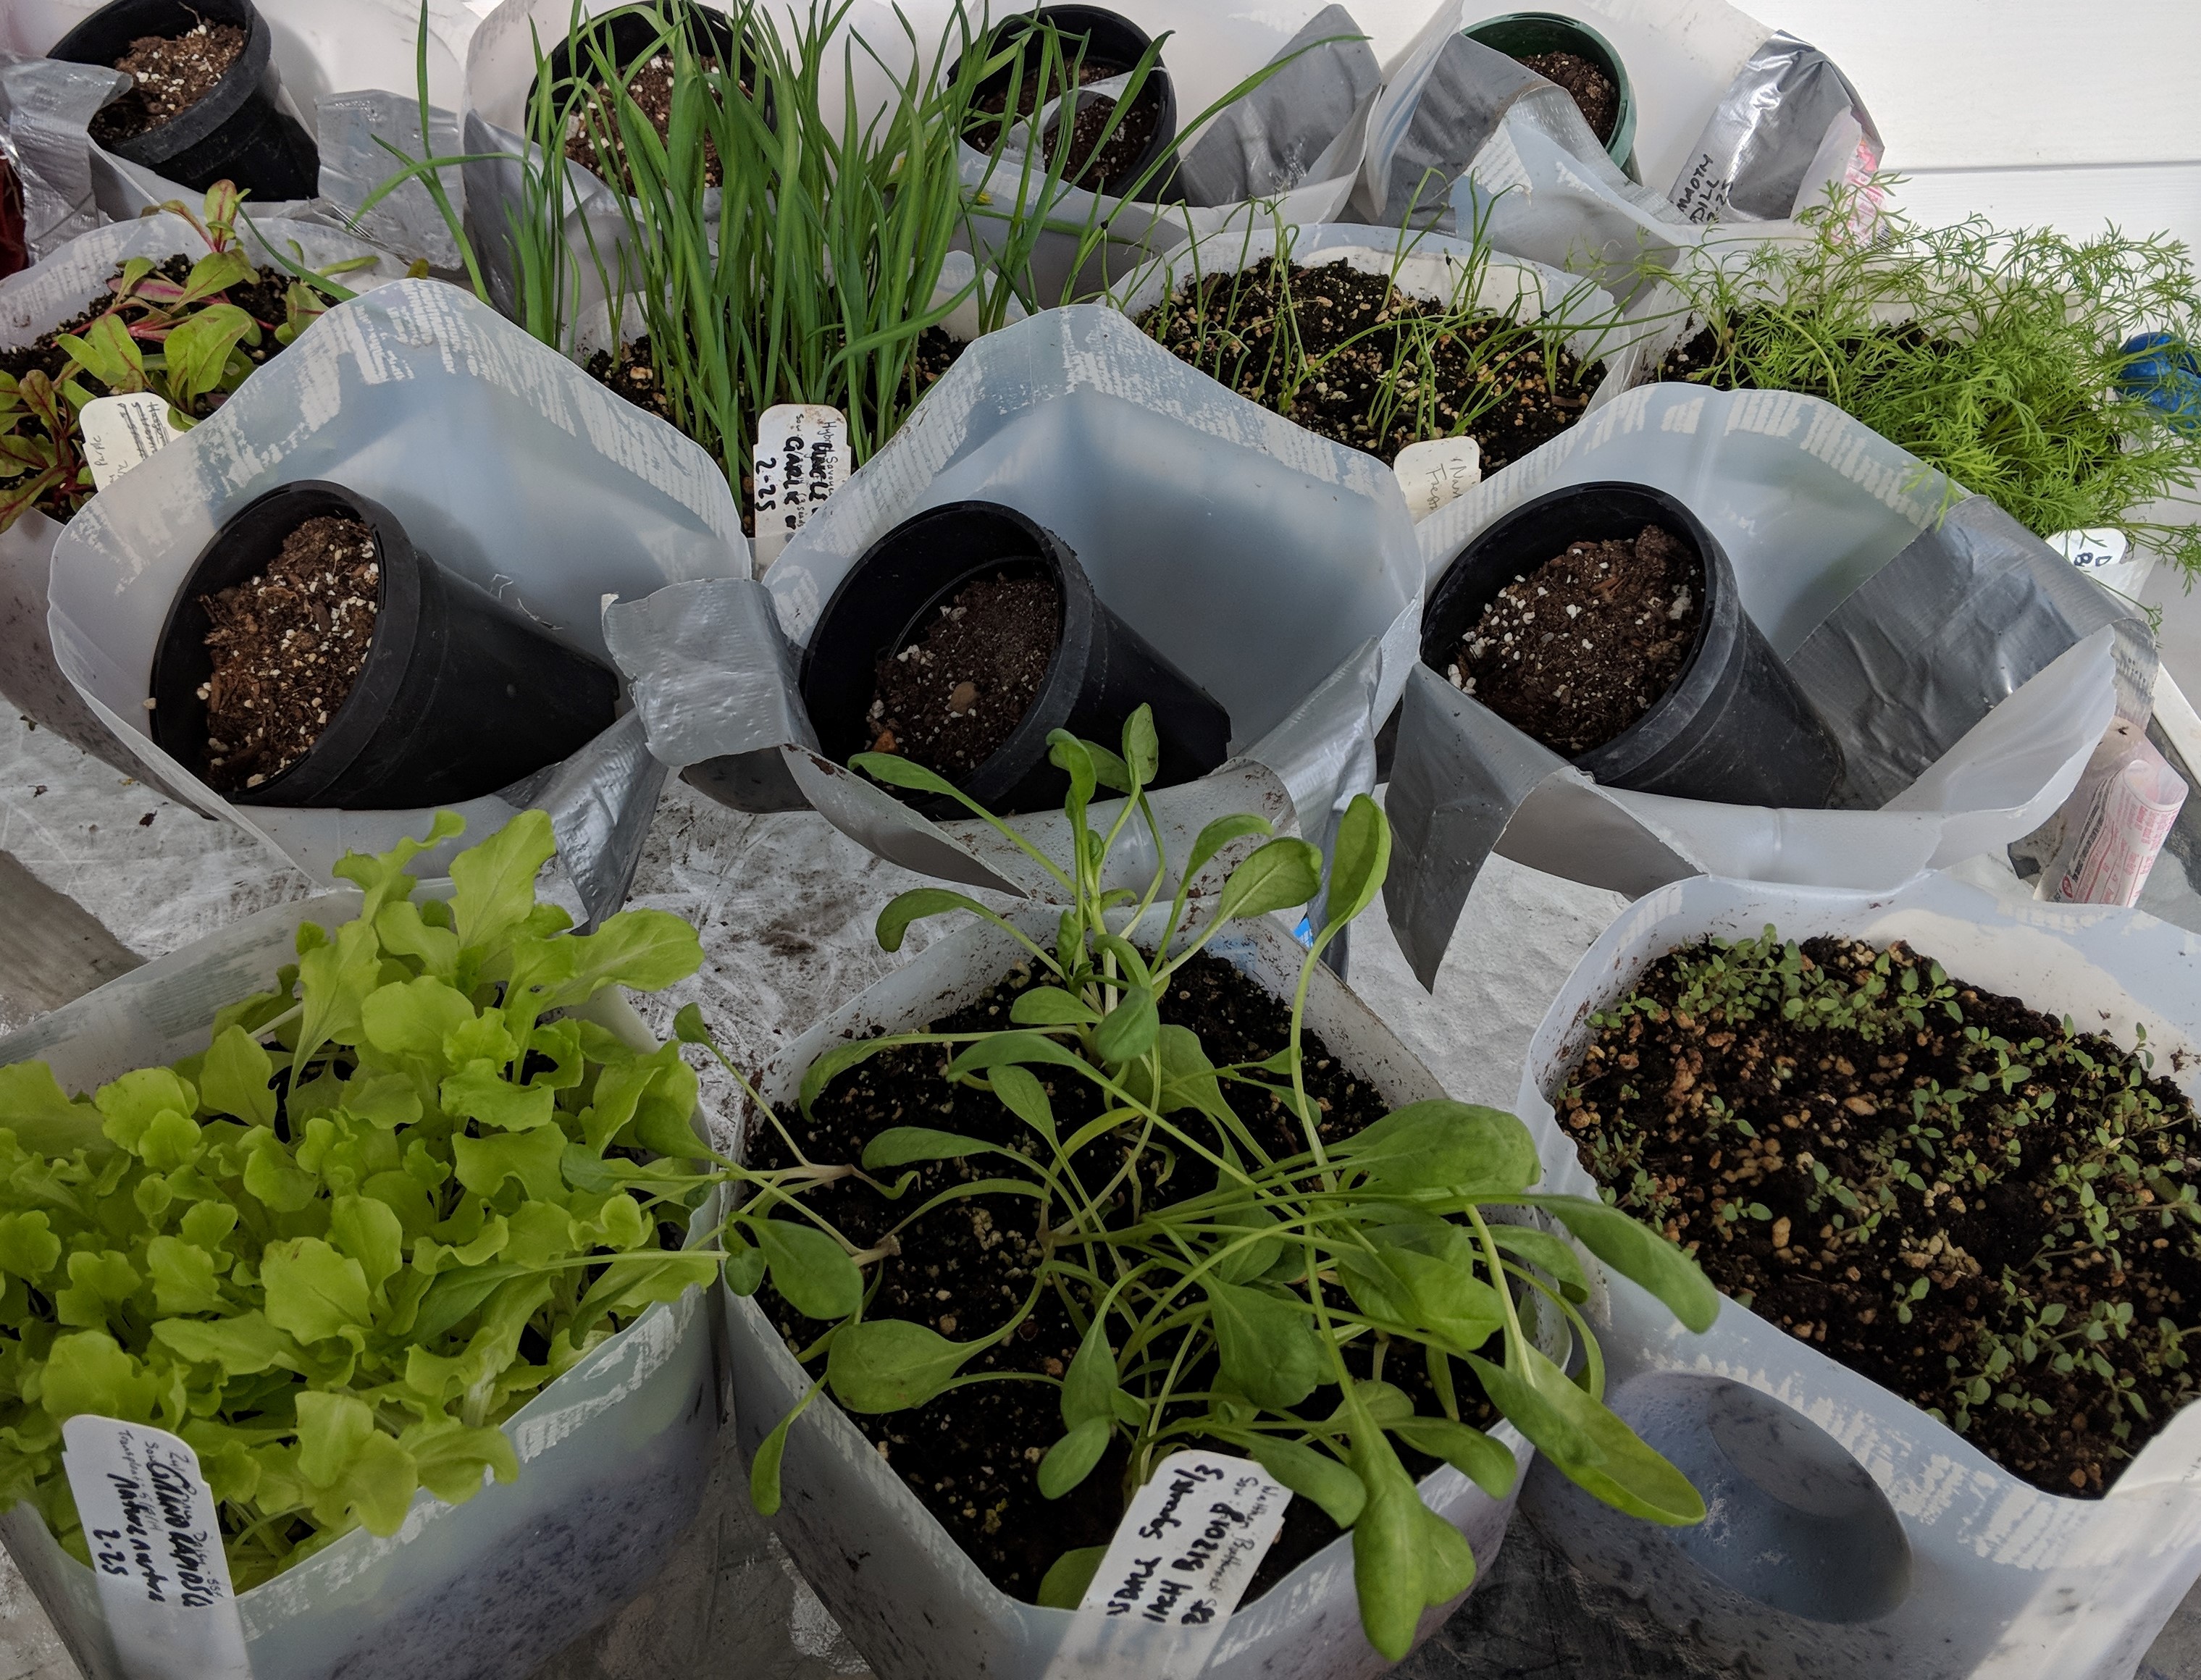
point(600, 802)
point(710, 673)
point(1955, 625)
point(1465, 92)
point(1790, 125)
point(357, 133)
point(1292, 127)
point(46, 107)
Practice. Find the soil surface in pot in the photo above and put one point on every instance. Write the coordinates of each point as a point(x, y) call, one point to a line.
point(1388, 369)
point(631, 374)
point(173, 73)
point(1592, 91)
point(261, 298)
point(288, 645)
point(951, 697)
point(971, 1456)
point(1578, 650)
point(1083, 167)
point(1963, 1199)
point(651, 89)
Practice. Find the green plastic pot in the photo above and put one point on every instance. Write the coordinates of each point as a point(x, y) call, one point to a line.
point(1524, 34)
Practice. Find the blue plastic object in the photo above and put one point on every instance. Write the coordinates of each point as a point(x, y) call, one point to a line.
point(2165, 371)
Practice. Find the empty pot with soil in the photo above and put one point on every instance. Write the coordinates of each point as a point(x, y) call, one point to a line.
point(1567, 51)
point(1602, 620)
point(964, 636)
point(315, 658)
point(1941, 1159)
point(202, 106)
point(1137, 159)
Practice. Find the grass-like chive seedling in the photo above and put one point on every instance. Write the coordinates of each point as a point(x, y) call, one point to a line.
point(190, 331)
point(1992, 1213)
point(1353, 356)
point(401, 1191)
point(1996, 357)
point(1217, 1316)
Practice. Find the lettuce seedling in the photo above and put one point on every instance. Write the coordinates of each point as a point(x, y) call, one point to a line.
point(1217, 1317)
point(401, 1191)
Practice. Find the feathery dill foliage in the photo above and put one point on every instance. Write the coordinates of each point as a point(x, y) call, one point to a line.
point(1992, 355)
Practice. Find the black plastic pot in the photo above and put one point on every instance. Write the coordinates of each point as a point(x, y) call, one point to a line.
point(237, 132)
point(1102, 672)
point(458, 698)
point(1112, 43)
point(1733, 727)
point(626, 35)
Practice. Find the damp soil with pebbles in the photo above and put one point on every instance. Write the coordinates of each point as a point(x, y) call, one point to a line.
point(1577, 651)
point(1382, 369)
point(172, 73)
point(1593, 92)
point(1988, 1211)
point(951, 696)
point(288, 645)
point(1082, 165)
point(971, 1456)
point(650, 87)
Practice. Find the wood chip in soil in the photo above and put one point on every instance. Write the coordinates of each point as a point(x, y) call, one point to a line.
point(288, 645)
point(173, 72)
point(1589, 87)
point(971, 1456)
point(1360, 328)
point(1577, 651)
point(950, 697)
point(1989, 1212)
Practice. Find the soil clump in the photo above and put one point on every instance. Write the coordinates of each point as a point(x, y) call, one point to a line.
point(172, 74)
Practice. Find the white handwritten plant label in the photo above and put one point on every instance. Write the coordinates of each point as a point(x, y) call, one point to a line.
point(1440, 471)
point(802, 458)
point(155, 1543)
point(121, 432)
point(1181, 1561)
point(2090, 550)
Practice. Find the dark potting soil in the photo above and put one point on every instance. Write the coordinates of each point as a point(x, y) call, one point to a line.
point(1969, 1202)
point(950, 699)
point(173, 73)
point(1592, 91)
point(1226, 325)
point(651, 89)
point(631, 374)
point(935, 354)
point(287, 647)
point(261, 298)
point(971, 1456)
point(1576, 651)
point(1082, 168)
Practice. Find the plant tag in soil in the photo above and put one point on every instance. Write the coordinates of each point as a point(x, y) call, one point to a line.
point(1440, 470)
point(1181, 1559)
point(149, 1519)
point(121, 432)
point(2090, 550)
point(802, 458)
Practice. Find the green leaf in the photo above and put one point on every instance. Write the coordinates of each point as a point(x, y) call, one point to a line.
point(483, 1164)
point(1280, 874)
point(404, 933)
point(481, 1093)
point(1551, 1255)
point(809, 1267)
point(1359, 861)
point(1127, 1032)
point(107, 352)
point(1050, 1006)
point(183, 1276)
point(898, 772)
point(217, 271)
point(1637, 1252)
point(1022, 1095)
point(1244, 1265)
point(494, 882)
point(1142, 751)
point(763, 1468)
point(88, 1372)
point(381, 876)
point(450, 1458)
point(1005, 1050)
point(234, 1079)
point(833, 1063)
point(1457, 1149)
point(1388, 1547)
point(313, 1292)
point(1089, 1387)
point(889, 1365)
point(369, 1232)
point(242, 1346)
point(1588, 1443)
point(1484, 1461)
point(415, 1018)
point(1269, 1347)
point(1063, 1587)
point(132, 1102)
point(335, 982)
point(45, 1122)
point(916, 905)
point(196, 353)
point(898, 1145)
point(1312, 1474)
point(1447, 1299)
point(1070, 1459)
point(1219, 834)
point(643, 949)
point(28, 1247)
point(744, 1267)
